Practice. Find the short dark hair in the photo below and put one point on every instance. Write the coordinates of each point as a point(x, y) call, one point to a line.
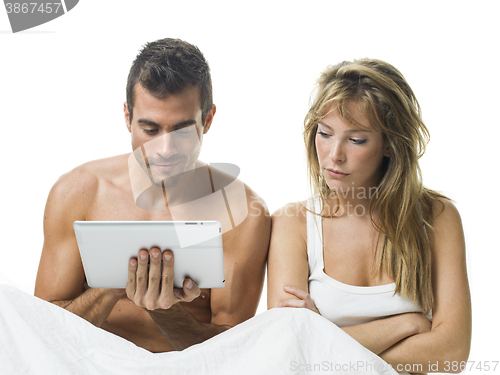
point(167, 67)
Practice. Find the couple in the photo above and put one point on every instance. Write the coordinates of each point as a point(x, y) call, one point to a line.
point(374, 251)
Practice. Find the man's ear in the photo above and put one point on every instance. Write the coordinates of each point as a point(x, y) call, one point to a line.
point(209, 119)
point(127, 117)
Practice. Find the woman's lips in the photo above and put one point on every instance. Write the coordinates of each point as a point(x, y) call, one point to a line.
point(336, 174)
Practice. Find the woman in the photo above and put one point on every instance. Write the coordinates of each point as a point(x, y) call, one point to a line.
point(374, 251)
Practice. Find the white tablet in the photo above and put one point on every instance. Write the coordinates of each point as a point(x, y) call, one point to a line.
point(106, 248)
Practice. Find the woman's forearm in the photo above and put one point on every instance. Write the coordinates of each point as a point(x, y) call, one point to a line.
point(381, 334)
point(434, 351)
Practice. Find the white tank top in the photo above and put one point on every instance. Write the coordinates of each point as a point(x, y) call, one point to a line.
point(343, 304)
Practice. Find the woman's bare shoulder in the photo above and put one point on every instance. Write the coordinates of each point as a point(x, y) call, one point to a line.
point(446, 227)
point(444, 210)
point(290, 219)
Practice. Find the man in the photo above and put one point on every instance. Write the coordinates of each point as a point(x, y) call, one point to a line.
point(168, 110)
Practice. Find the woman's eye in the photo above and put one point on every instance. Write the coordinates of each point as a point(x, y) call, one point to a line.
point(358, 141)
point(323, 134)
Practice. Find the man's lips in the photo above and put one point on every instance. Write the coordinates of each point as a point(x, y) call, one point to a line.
point(335, 173)
point(165, 166)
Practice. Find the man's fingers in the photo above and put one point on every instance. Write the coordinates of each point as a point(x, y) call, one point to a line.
point(141, 276)
point(154, 279)
point(154, 269)
point(132, 270)
point(153, 288)
point(168, 271)
point(167, 281)
point(189, 290)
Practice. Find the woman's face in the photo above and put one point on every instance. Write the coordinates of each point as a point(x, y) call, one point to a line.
point(350, 158)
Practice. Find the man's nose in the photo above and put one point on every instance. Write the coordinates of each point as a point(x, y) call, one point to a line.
point(164, 146)
point(167, 146)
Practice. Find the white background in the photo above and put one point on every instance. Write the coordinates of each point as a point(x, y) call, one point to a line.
point(62, 88)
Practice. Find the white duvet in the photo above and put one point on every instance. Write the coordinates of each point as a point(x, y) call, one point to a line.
point(37, 337)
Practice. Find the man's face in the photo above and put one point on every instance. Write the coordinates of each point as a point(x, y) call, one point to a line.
point(168, 132)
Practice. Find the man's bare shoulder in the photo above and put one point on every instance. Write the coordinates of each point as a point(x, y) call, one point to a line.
point(257, 207)
point(250, 217)
point(81, 183)
point(241, 197)
point(109, 169)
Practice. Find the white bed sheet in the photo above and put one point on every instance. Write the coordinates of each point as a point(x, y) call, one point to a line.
point(37, 337)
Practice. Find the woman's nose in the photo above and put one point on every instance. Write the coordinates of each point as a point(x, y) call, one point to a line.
point(337, 154)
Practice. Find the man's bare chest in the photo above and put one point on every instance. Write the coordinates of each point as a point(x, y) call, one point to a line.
point(116, 203)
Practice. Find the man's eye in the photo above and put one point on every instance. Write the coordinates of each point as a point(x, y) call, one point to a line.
point(185, 130)
point(150, 131)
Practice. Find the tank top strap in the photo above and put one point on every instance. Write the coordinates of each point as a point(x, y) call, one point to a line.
point(314, 236)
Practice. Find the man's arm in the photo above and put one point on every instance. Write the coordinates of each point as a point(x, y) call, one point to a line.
point(182, 329)
point(61, 277)
point(94, 305)
point(245, 251)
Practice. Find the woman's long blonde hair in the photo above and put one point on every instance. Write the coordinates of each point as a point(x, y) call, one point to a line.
point(402, 204)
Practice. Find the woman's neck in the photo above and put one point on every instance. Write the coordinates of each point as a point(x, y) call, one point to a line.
point(353, 201)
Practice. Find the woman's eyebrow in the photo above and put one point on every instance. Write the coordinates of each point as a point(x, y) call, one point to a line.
point(349, 131)
point(359, 131)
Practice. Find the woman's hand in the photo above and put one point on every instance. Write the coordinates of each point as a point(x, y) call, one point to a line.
point(419, 322)
point(304, 301)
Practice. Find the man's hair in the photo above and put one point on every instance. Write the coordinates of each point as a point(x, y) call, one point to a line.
point(167, 67)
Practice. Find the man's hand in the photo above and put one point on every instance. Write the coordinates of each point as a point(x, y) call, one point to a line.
point(154, 288)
